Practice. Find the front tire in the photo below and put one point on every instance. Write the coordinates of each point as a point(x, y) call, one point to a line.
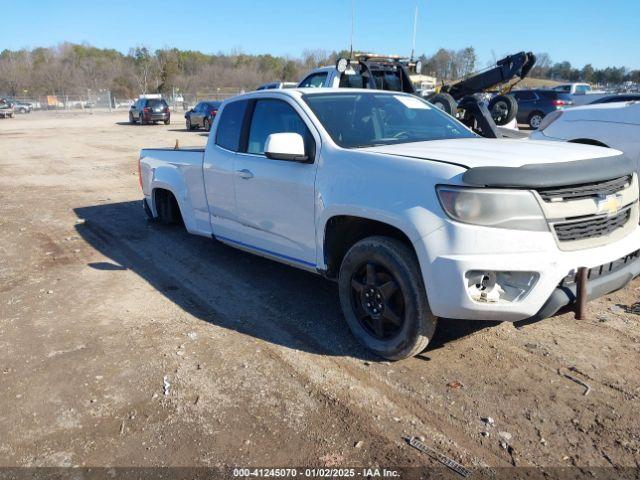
point(207, 124)
point(383, 298)
point(132, 119)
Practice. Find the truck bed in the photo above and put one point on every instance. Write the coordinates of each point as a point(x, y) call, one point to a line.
point(172, 149)
point(179, 171)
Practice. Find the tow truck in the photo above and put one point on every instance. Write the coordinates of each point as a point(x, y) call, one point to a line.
point(461, 99)
point(366, 70)
point(466, 92)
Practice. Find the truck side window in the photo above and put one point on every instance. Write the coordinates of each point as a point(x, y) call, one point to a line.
point(275, 116)
point(230, 125)
point(315, 80)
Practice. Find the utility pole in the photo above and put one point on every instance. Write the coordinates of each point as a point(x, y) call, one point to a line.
point(415, 28)
point(353, 15)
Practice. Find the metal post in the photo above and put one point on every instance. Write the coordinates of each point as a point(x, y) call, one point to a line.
point(581, 293)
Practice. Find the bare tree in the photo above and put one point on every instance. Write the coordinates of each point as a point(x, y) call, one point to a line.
point(146, 68)
point(14, 71)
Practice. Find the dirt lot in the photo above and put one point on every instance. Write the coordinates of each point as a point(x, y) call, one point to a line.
point(99, 307)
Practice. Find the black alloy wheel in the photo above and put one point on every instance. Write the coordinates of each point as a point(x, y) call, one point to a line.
point(383, 297)
point(377, 301)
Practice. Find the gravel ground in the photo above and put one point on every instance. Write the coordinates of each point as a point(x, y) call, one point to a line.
point(127, 343)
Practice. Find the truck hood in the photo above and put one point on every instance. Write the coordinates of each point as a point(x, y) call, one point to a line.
point(486, 152)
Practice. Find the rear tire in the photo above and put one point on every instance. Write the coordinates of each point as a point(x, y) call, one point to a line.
point(387, 310)
point(503, 108)
point(535, 119)
point(167, 208)
point(207, 124)
point(445, 102)
point(167, 122)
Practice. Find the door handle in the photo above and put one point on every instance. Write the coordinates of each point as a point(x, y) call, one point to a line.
point(244, 173)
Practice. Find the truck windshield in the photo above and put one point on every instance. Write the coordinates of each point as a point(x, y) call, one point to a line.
point(359, 119)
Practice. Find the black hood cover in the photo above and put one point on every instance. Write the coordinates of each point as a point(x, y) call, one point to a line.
point(551, 174)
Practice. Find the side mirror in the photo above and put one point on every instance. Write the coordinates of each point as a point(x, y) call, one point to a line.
point(286, 146)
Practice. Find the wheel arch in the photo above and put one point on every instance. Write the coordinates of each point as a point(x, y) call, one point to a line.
point(341, 231)
point(157, 193)
point(161, 185)
point(589, 141)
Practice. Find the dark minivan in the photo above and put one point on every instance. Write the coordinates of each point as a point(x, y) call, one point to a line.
point(150, 110)
point(202, 115)
point(534, 105)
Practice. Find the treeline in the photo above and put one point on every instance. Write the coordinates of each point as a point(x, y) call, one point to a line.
point(564, 71)
point(452, 64)
point(72, 69)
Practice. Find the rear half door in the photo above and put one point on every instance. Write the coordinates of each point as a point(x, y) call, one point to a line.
point(276, 198)
point(219, 170)
point(526, 102)
point(196, 116)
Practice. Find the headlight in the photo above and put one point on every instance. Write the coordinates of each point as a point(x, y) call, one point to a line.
point(513, 209)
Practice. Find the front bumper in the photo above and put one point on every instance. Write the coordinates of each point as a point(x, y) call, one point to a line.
point(597, 286)
point(445, 263)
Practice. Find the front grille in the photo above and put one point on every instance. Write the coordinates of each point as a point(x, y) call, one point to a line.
point(592, 227)
point(602, 270)
point(586, 190)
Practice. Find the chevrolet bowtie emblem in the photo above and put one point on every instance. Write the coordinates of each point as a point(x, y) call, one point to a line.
point(609, 205)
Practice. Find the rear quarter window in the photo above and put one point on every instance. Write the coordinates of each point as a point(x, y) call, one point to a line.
point(315, 80)
point(230, 125)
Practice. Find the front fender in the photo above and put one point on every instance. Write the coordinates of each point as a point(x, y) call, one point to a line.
point(414, 222)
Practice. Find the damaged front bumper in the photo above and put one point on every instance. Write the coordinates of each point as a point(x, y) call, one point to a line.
point(515, 276)
point(600, 281)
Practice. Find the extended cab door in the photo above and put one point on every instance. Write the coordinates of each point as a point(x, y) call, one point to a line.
point(276, 198)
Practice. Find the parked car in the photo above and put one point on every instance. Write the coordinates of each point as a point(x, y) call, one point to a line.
point(415, 216)
point(534, 105)
point(622, 97)
point(202, 115)
point(6, 108)
point(149, 110)
point(614, 125)
point(21, 107)
point(581, 93)
point(277, 85)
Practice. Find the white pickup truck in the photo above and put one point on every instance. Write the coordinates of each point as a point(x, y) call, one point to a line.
point(414, 215)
